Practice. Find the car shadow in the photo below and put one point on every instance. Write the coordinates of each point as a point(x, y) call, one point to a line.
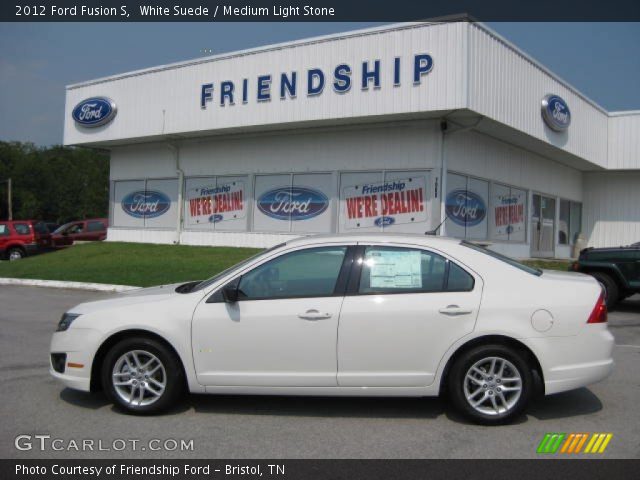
point(630, 305)
point(563, 405)
point(92, 401)
point(334, 407)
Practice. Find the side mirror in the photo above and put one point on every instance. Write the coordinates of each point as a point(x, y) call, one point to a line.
point(230, 293)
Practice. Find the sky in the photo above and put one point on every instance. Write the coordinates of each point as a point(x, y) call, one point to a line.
point(37, 60)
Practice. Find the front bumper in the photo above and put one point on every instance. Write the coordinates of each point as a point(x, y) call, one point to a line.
point(80, 346)
point(576, 361)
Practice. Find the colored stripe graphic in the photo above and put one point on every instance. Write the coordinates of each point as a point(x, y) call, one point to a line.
point(551, 442)
point(598, 443)
point(573, 443)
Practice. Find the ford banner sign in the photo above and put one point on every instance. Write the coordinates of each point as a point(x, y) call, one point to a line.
point(465, 208)
point(556, 113)
point(146, 204)
point(94, 112)
point(293, 203)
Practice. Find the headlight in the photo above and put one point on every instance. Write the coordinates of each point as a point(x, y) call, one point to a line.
point(66, 320)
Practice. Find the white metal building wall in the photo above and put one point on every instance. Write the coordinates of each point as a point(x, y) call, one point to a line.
point(166, 100)
point(624, 140)
point(612, 208)
point(507, 86)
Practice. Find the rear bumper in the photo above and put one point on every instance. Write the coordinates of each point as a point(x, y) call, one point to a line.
point(577, 361)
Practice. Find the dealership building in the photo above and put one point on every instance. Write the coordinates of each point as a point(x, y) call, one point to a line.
point(413, 127)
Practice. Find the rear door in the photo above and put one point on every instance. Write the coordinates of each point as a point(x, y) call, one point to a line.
point(404, 308)
point(95, 230)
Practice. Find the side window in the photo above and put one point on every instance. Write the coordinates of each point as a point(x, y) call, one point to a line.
point(401, 270)
point(311, 272)
point(75, 228)
point(459, 280)
point(21, 228)
point(95, 226)
point(41, 228)
point(4, 230)
point(406, 270)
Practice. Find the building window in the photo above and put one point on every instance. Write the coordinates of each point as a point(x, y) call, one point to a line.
point(216, 203)
point(508, 215)
point(466, 207)
point(570, 222)
point(145, 203)
point(389, 201)
point(299, 202)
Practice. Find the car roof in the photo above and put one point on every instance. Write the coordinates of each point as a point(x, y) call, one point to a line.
point(421, 239)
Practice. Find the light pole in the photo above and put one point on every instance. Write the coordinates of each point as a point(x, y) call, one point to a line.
point(9, 204)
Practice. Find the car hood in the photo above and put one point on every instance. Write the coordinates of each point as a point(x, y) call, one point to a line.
point(130, 297)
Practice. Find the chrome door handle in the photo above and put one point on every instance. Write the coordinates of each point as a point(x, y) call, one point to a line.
point(314, 314)
point(454, 310)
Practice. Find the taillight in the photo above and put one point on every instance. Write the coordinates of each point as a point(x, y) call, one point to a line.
point(599, 313)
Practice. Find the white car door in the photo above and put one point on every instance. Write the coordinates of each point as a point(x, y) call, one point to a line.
point(282, 331)
point(403, 310)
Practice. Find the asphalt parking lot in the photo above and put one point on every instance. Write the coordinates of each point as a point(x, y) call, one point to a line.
point(32, 403)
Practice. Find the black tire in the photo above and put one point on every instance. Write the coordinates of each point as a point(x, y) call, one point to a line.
point(514, 404)
point(15, 253)
point(612, 292)
point(171, 374)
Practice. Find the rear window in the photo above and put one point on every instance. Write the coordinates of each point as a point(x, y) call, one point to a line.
point(4, 230)
point(514, 263)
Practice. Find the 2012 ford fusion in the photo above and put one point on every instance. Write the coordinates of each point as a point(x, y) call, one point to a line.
point(375, 315)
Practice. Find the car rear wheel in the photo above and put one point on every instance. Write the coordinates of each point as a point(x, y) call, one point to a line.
point(142, 375)
point(15, 254)
point(611, 290)
point(490, 384)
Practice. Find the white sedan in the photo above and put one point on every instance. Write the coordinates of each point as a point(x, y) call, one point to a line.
point(385, 315)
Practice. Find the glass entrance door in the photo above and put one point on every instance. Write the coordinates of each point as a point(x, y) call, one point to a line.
point(543, 226)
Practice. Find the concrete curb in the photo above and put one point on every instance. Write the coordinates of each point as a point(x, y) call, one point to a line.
point(96, 287)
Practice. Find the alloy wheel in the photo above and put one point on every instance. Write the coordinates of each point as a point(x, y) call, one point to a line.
point(139, 378)
point(492, 386)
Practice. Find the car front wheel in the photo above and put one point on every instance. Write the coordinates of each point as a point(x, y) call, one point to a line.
point(15, 254)
point(491, 384)
point(142, 375)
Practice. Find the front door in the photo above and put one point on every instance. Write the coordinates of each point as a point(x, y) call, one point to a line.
point(283, 329)
point(543, 226)
point(405, 309)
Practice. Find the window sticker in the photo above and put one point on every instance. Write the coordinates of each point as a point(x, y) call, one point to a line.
point(394, 269)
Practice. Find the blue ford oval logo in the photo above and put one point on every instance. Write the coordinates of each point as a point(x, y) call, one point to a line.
point(465, 208)
point(94, 112)
point(146, 204)
point(215, 218)
point(556, 113)
point(297, 203)
point(384, 221)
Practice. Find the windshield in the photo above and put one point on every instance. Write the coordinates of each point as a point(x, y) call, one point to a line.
point(215, 278)
point(504, 258)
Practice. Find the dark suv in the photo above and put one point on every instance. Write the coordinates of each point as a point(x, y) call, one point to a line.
point(618, 269)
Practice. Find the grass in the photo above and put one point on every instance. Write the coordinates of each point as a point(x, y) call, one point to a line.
point(549, 264)
point(145, 264)
point(127, 263)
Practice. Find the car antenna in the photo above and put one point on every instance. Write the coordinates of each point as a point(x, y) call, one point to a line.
point(435, 230)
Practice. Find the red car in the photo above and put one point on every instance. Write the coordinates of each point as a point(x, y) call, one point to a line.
point(19, 238)
point(91, 229)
